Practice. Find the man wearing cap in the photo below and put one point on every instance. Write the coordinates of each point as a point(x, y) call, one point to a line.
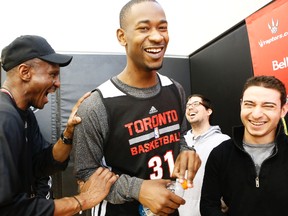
point(33, 69)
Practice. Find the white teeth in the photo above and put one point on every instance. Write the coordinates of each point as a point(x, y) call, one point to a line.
point(153, 50)
point(257, 123)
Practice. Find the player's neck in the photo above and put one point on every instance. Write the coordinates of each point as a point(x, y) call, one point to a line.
point(139, 79)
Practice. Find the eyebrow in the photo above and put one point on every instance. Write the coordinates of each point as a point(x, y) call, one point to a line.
point(265, 103)
point(148, 21)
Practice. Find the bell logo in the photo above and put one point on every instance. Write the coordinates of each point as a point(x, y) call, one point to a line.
point(280, 65)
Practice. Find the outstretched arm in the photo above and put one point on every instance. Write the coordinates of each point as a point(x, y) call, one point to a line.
point(62, 151)
point(92, 192)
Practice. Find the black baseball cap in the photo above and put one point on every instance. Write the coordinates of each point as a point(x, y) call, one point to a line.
point(27, 47)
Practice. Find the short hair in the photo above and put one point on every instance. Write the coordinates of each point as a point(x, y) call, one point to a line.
point(126, 9)
point(205, 101)
point(270, 82)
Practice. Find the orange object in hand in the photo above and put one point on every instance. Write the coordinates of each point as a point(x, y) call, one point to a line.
point(184, 184)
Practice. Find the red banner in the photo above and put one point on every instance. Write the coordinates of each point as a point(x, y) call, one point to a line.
point(268, 38)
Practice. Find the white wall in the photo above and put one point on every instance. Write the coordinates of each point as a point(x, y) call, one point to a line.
point(90, 25)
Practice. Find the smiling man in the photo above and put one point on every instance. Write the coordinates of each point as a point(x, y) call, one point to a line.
point(250, 171)
point(203, 137)
point(33, 69)
point(133, 123)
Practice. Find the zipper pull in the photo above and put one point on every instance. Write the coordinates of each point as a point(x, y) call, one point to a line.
point(257, 182)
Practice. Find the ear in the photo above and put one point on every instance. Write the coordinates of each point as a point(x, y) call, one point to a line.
point(121, 36)
point(209, 111)
point(24, 72)
point(284, 110)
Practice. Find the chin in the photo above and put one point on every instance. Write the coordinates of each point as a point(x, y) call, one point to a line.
point(156, 67)
point(40, 106)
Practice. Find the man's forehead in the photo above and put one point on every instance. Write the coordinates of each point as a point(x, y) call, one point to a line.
point(260, 93)
point(195, 98)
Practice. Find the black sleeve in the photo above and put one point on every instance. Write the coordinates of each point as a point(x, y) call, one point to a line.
point(210, 204)
point(43, 187)
point(21, 205)
point(45, 165)
point(13, 199)
point(43, 161)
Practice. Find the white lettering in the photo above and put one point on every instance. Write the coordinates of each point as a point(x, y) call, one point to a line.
point(280, 65)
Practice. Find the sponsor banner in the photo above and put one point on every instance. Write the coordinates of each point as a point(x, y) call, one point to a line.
point(268, 38)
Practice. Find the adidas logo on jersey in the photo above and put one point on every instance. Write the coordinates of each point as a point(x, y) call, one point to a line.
point(153, 110)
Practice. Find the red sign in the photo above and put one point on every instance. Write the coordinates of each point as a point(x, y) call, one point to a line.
point(268, 38)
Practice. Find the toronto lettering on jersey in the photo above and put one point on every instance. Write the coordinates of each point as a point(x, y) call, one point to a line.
point(153, 132)
point(145, 124)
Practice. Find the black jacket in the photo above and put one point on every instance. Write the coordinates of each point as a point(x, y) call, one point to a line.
point(24, 158)
point(230, 172)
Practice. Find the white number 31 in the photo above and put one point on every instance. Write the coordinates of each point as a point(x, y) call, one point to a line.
point(156, 163)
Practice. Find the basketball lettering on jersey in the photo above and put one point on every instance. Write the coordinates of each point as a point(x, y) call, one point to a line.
point(144, 135)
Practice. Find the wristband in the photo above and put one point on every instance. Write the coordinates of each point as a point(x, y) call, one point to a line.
point(66, 140)
point(80, 206)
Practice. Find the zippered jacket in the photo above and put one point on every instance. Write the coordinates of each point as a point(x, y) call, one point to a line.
point(230, 173)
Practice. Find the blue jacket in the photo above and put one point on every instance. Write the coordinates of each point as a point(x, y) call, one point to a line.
point(230, 173)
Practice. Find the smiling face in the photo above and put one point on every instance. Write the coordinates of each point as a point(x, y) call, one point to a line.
point(196, 112)
point(145, 36)
point(44, 80)
point(261, 112)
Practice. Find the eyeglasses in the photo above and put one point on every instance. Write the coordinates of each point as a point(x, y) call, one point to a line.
point(194, 104)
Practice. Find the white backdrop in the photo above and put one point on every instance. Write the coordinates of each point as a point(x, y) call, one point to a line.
point(90, 25)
